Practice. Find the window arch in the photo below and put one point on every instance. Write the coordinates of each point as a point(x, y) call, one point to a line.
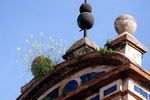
point(52, 95)
point(89, 76)
point(70, 86)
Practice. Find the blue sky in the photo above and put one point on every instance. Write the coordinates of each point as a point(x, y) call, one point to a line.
point(57, 18)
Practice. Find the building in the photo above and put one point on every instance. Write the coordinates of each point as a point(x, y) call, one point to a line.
point(89, 73)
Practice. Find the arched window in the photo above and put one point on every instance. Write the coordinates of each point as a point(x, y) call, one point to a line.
point(87, 77)
point(52, 95)
point(70, 86)
point(98, 74)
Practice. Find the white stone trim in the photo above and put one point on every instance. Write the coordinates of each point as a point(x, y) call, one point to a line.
point(76, 76)
point(119, 88)
point(88, 98)
point(129, 85)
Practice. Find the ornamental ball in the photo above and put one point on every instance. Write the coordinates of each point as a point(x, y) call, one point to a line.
point(85, 7)
point(85, 20)
point(125, 23)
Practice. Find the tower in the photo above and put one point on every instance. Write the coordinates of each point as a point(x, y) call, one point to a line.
point(89, 73)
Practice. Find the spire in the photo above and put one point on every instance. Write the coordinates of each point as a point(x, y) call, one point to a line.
point(85, 19)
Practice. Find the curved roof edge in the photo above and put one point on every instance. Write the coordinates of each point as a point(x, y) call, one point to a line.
point(91, 58)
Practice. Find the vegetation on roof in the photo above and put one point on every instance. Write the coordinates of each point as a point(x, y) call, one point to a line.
point(43, 53)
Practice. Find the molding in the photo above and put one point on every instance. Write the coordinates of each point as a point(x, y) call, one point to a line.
point(131, 41)
point(124, 69)
point(119, 93)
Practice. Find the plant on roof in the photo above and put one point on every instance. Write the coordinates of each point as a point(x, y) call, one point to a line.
point(43, 54)
point(41, 65)
point(107, 50)
point(79, 54)
point(109, 44)
point(122, 44)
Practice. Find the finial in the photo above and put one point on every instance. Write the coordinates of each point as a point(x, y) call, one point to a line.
point(125, 23)
point(85, 19)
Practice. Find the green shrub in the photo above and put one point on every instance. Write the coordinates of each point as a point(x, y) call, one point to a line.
point(43, 53)
point(109, 44)
point(122, 44)
point(107, 52)
point(41, 65)
point(79, 54)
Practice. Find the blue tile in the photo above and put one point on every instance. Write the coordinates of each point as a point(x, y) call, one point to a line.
point(136, 88)
point(102, 73)
point(52, 95)
point(85, 78)
point(95, 98)
point(70, 86)
point(98, 74)
point(141, 92)
point(110, 90)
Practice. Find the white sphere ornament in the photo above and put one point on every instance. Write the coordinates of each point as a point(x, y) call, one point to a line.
point(125, 23)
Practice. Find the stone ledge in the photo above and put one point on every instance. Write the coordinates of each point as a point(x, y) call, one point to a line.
point(67, 68)
point(126, 37)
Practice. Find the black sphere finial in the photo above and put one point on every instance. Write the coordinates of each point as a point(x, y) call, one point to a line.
point(85, 7)
point(85, 19)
